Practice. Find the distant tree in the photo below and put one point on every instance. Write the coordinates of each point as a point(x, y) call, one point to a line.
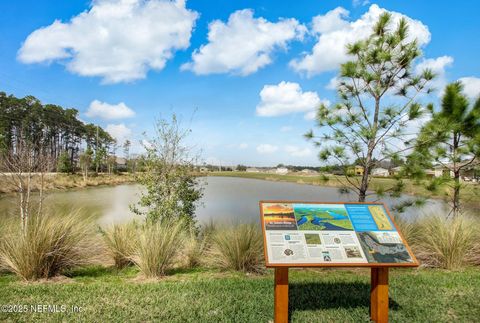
point(111, 163)
point(451, 139)
point(172, 191)
point(64, 164)
point(85, 162)
point(241, 168)
point(364, 124)
point(126, 152)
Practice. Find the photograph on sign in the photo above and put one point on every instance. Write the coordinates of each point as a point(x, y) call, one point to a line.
point(327, 233)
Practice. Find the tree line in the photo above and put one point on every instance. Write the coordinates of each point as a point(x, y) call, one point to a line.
point(54, 136)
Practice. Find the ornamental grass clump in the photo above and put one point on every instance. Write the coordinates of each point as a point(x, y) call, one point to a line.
point(120, 240)
point(449, 243)
point(48, 245)
point(237, 248)
point(194, 249)
point(158, 245)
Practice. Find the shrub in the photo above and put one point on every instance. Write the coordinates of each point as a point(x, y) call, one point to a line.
point(196, 245)
point(158, 245)
point(120, 240)
point(48, 246)
point(447, 243)
point(238, 248)
point(409, 229)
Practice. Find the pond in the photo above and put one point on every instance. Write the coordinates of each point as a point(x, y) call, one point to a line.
point(226, 199)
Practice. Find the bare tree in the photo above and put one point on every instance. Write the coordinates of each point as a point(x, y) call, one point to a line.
point(20, 166)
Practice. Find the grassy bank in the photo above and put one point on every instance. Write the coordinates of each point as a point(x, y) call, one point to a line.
point(470, 194)
point(203, 295)
point(68, 181)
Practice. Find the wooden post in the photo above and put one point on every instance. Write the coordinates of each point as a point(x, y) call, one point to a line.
point(281, 295)
point(379, 295)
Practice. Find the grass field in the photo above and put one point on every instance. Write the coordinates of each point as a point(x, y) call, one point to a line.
point(211, 296)
point(470, 193)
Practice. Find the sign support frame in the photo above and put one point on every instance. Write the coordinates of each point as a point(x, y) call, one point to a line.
point(378, 295)
point(379, 273)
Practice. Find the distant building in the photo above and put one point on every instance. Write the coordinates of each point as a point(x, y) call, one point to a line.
point(121, 161)
point(356, 170)
point(308, 171)
point(380, 172)
point(396, 170)
point(281, 171)
point(252, 170)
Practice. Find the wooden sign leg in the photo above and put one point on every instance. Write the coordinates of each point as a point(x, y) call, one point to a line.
point(379, 295)
point(281, 295)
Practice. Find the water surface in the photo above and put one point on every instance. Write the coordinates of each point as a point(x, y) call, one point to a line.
point(226, 199)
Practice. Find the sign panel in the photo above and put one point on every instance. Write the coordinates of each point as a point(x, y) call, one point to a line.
point(302, 234)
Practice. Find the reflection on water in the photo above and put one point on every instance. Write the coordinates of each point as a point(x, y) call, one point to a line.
point(226, 199)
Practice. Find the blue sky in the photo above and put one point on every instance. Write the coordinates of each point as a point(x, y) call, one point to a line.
point(247, 71)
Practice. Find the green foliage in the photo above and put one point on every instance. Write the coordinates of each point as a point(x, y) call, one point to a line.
point(241, 168)
point(450, 140)
point(48, 246)
point(48, 129)
point(171, 189)
point(360, 125)
point(64, 164)
point(237, 248)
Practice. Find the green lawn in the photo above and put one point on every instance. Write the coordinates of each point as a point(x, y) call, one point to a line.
point(202, 295)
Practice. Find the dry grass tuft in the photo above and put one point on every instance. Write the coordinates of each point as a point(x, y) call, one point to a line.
point(157, 247)
point(121, 240)
point(447, 243)
point(239, 248)
point(49, 245)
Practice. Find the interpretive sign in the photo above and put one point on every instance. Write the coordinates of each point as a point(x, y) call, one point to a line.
point(302, 234)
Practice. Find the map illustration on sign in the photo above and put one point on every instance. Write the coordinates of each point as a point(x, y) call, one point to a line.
point(322, 217)
point(331, 233)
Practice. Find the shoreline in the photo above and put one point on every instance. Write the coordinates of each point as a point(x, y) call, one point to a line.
point(66, 182)
point(316, 180)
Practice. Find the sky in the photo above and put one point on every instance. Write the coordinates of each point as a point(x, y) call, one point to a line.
point(245, 76)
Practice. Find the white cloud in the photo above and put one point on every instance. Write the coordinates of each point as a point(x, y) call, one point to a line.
point(295, 151)
point(109, 111)
point(311, 115)
point(243, 45)
point(118, 40)
point(266, 149)
point(334, 31)
point(438, 66)
point(286, 98)
point(471, 86)
point(119, 131)
point(243, 145)
point(357, 3)
point(286, 128)
point(333, 83)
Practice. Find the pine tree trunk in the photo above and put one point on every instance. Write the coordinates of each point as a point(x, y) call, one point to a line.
point(456, 193)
